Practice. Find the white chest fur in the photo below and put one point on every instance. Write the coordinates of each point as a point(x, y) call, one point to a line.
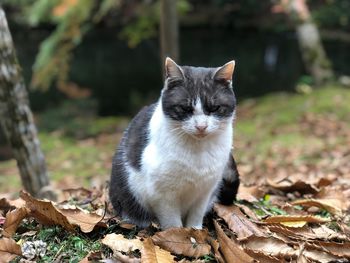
point(179, 169)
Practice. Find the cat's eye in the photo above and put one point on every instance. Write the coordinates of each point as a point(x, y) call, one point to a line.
point(215, 108)
point(183, 108)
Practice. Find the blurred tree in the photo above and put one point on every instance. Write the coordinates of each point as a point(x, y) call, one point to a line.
point(141, 24)
point(75, 18)
point(169, 30)
point(313, 53)
point(331, 14)
point(17, 119)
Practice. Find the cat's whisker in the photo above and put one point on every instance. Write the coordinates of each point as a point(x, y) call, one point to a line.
point(176, 129)
point(180, 134)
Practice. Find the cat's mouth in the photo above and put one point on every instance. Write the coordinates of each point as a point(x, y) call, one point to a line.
point(200, 135)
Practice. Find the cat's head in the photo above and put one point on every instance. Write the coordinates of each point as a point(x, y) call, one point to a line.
point(198, 101)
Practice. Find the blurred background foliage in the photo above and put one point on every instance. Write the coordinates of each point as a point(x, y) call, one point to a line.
point(72, 42)
point(91, 64)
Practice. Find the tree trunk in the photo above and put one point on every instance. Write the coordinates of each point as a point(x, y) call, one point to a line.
point(17, 119)
point(169, 30)
point(313, 53)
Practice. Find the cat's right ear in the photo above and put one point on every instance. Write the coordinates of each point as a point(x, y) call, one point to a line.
point(172, 70)
point(225, 72)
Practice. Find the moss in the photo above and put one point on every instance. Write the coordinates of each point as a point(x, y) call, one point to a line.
point(69, 247)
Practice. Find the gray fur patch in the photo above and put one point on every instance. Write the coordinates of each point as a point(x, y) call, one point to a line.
point(130, 149)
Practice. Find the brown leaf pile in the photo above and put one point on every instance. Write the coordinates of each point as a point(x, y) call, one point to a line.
point(45, 213)
point(238, 232)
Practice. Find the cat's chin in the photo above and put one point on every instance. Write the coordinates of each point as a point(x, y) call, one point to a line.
point(201, 135)
point(198, 136)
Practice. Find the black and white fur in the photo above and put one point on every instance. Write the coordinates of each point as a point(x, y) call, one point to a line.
point(175, 158)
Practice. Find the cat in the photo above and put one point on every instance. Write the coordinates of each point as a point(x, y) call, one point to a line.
point(175, 158)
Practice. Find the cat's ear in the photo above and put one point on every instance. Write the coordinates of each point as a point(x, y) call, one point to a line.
point(225, 72)
point(172, 70)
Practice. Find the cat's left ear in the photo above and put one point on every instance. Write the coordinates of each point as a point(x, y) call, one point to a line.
point(225, 72)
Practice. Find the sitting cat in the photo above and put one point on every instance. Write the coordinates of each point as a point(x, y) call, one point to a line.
point(175, 158)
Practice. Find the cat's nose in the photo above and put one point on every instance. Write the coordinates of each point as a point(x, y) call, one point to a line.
point(201, 127)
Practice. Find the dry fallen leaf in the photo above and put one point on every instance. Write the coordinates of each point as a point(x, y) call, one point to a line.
point(308, 233)
point(289, 185)
point(118, 242)
point(270, 246)
point(231, 251)
point(215, 245)
point(121, 258)
point(86, 221)
point(154, 254)
point(184, 241)
point(238, 222)
point(9, 249)
point(261, 257)
point(7, 205)
point(13, 219)
point(291, 218)
point(294, 224)
point(336, 249)
point(284, 248)
point(184, 260)
point(314, 255)
point(301, 258)
point(331, 205)
point(323, 232)
point(94, 256)
point(339, 192)
point(47, 214)
point(248, 212)
point(249, 193)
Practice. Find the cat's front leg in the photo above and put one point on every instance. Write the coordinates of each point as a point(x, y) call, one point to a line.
point(167, 213)
point(197, 212)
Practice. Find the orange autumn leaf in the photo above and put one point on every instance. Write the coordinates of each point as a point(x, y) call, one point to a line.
point(290, 218)
point(334, 206)
point(184, 241)
point(154, 254)
point(48, 214)
point(231, 251)
point(9, 249)
point(13, 219)
point(238, 222)
point(61, 9)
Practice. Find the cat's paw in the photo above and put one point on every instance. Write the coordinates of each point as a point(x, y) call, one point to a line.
point(198, 227)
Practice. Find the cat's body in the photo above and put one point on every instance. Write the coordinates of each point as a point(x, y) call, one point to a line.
point(173, 163)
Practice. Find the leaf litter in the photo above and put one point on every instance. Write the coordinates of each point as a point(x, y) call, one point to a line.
point(235, 235)
point(287, 211)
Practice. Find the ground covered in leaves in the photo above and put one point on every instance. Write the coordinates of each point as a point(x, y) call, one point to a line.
point(293, 154)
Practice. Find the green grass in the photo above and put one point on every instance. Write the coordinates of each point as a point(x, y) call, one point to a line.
point(67, 158)
point(275, 120)
point(63, 246)
point(77, 119)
